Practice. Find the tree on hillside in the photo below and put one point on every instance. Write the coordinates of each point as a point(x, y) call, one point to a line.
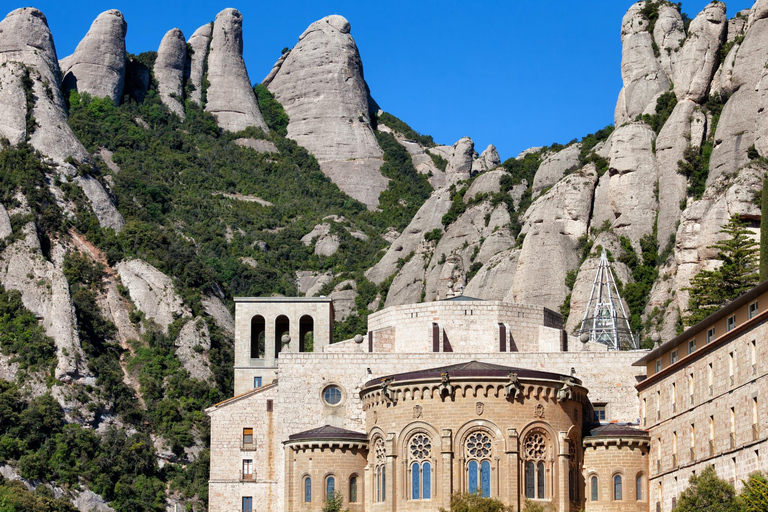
point(754, 495)
point(708, 492)
point(712, 289)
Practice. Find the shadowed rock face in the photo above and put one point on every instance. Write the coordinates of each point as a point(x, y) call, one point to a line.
point(230, 97)
point(169, 70)
point(320, 84)
point(698, 57)
point(199, 42)
point(98, 64)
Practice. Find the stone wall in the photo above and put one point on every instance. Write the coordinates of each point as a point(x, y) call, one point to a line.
point(226, 485)
point(605, 459)
point(725, 423)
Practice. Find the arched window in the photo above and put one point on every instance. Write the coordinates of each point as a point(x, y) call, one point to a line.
point(479, 451)
point(330, 486)
point(307, 489)
point(617, 487)
point(639, 487)
point(353, 489)
point(258, 327)
point(574, 487)
point(282, 326)
point(380, 470)
point(536, 447)
point(306, 334)
point(419, 455)
point(593, 488)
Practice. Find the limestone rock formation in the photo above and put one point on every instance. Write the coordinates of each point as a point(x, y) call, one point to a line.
point(494, 280)
point(169, 70)
point(487, 183)
point(199, 43)
point(45, 292)
point(215, 308)
point(193, 340)
point(488, 159)
point(668, 32)
point(309, 283)
point(98, 64)
point(260, 145)
point(230, 97)
point(152, 292)
point(641, 72)
point(326, 243)
point(552, 226)
point(736, 128)
point(696, 61)
point(5, 223)
point(460, 164)
point(320, 84)
point(626, 194)
point(554, 167)
point(343, 296)
point(101, 203)
point(428, 217)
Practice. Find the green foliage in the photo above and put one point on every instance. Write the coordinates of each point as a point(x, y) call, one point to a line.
point(22, 337)
point(535, 506)
point(433, 236)
point(651, 11)
point(644, 270)
point(725, 49)
point(440, 162)
point(333, 502)
point(707, 492)
point(694, 166)
point(272, 110)
point(457, 207)
point(665, 104)
point(467, 502)
point(14, 497)
point(754, 494)
point(407, 189)
point(401, 127)
point(712, 289)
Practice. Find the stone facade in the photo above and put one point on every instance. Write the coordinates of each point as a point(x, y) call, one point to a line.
point(708, 407)
point(401, 339)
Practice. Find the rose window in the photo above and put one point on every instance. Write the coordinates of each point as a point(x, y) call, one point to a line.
point(421, 447)
point(479, 445)
point(381, 453)
point(535, 446)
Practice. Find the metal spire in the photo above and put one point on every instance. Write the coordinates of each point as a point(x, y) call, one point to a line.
point(605, 320)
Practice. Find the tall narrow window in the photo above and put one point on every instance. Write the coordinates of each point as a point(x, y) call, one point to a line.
point(693, 442)
point(479, 451)
point(617, 488)
point(307, 489)
point(710, 378)
point(658, 404)
point(755, 419)
point(731, 360)
point(420, 453)
point(258, 326)
point(658, 365)
point(753, 310)
point(639, 487)
point(711, 435)
point(247, 503)
point(536, 449)
point(674, 449)
point(673, 357)
point(256, 382)
point(247, 469)
point(730, 323)
point(645, 410)
point(691, 346)
point(674, 397)
point(710, 335)
point(353, 489)
point(306, 334)
point(691, 387)
point(753, 356)
point(380, 474)
point(593, 488)
point(282, 328)
point(733, 427)
point(330, 486)
point(248, 439)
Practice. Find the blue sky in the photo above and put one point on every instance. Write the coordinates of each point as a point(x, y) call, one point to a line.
point(513, 73)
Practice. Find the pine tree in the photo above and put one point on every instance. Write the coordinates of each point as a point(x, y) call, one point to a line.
point(712, 289)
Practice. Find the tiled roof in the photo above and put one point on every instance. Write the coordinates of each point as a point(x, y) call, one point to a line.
point(328, 432)
point(471, 369)
point(617, 430)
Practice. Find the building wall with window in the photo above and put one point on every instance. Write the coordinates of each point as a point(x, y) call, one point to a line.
point(710, 407)
point(243, 454)
point(432, 438)
point(615, 470)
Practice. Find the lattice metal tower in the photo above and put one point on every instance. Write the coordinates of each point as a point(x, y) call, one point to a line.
point(605, 320)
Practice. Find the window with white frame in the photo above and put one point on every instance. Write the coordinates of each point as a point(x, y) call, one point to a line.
point(730, 323)
point(753, 310)
point(673, 357)
point(691, 346)
point(710, 335)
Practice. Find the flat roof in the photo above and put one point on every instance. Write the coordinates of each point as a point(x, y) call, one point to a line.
point(726, 310)
point(283, 299)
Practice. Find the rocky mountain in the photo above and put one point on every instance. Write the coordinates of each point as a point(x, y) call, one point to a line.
point(141, 193)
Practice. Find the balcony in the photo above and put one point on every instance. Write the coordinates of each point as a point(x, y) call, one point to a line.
point(755, 433)
point(733, 439)
point(247, 477)
point(248, 446)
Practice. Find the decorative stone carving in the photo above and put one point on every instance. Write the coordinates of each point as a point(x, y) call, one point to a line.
point(539, 411)
point(565, 393)
point(445, 388)
point(417, 411)
point(513, 386)
point(479, 408)
point(385, 391)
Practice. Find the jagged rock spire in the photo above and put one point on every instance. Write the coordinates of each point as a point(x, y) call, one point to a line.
point(605, 320)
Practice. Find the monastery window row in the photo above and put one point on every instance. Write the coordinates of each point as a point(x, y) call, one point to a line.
point(736, 370)
point(617, 491)
point(710, 447)
point(330, 488)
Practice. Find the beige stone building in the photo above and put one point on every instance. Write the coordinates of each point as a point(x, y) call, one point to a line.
point(435, 398)
point(704, 401)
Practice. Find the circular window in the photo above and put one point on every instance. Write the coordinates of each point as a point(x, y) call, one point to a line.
point(332, 395)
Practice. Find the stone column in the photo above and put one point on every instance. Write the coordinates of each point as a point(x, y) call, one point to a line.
point(392, 489)
point(444, 485)
point(511, 492)
point(293, 332)
point(269, 340)
point(561, 464)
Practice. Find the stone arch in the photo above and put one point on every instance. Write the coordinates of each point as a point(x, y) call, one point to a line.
point(617, 485)
point(413, 428)
point(306, 333)
point(258, 337)
point(282, 326)
point(539, 463)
